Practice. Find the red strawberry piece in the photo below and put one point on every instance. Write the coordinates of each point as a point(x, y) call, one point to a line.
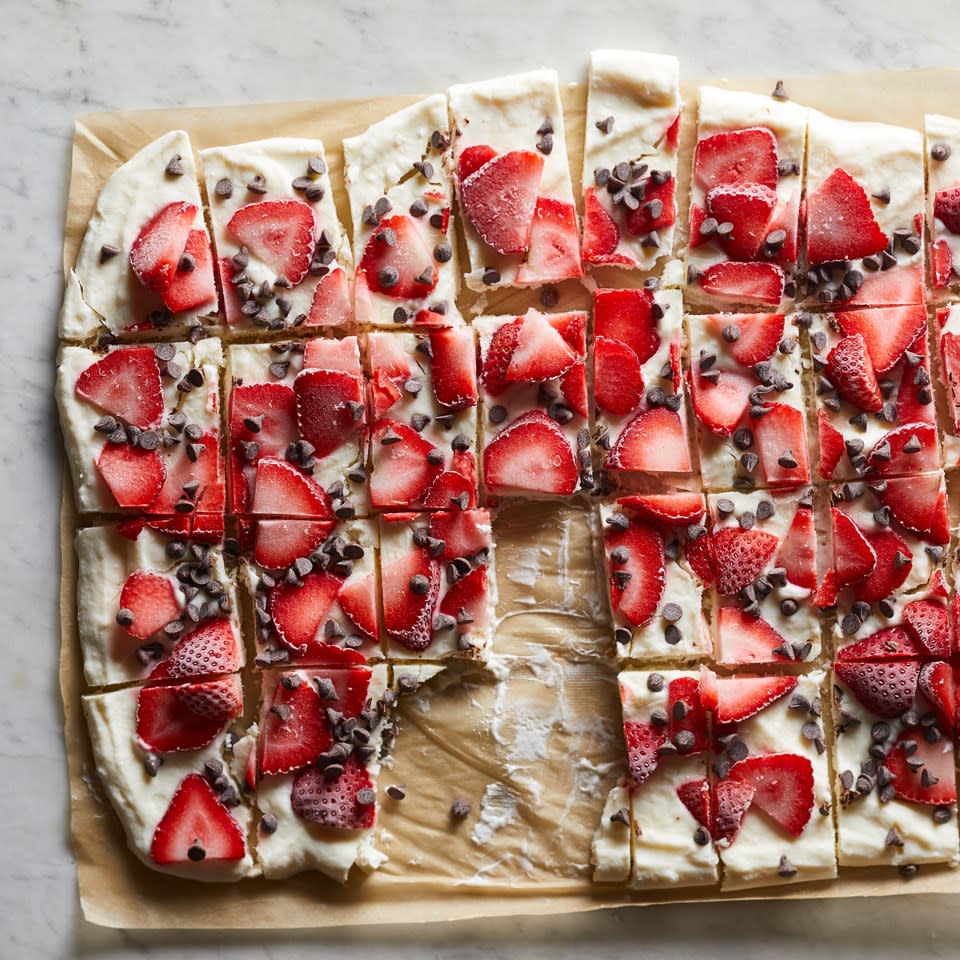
point(741, 697)
point(358, 600)
point(887, 331)
point(737, 156)
point(294, 729)
point(212, 648)
point(672, 508)
point(573, 386)
point(929, 778)
point(397, 262)
point(780, 439)
point(273, 407)
point(202, 527)
point(160, 243)
point(617, 379)
point(910, 408)
point(826, 593)
point(281, 489)
point(740, 556)
point(894, 561)
point(697, 236)
point(205, 471)
point(936, 683)
point(334, 804)
point(758, 334)
point(329, 408)
point(890, 643)
point(927, 621)
point(554, 244)
point(920, 504)
point(533, 454)
point(941, 263)
point(151, 600)
point(642, 220)
point(653, 440)
point(499, 199)
point(695, 796)
point(468, 596)
point(388, 355)
point(410, 585)
point(130, 529)
point(926, 459)
point(330, 306)
point(231, 303)
point(133, 475)
point(840, 222)
point(946, 207)
point(904, 284)
point(191, 286)
point(760, 283)
point(473, 158)
point(798, 551)
point(636, 596)
point(643, 742)
point(453, 369)
point(720, 406)
point(299, 611)
point(384, 392)
point(601, 235)
point(125, 383)
point(187, 716)
point(573, 328)
point(853, 557)
point(749, 207)
point(498, 355)
point(464, 533)
point(402, 474)
point(627, 316)
point(885, 689)
point(281, 233)
point(328, 354)
point(850, 369)
point(692, 718)
point(783, 787)
point(832, 446)
point(280, 542)
point(672, 136)
point(699, 554)
point(540, 353)
point(746, 639)
point(448, 488)
point(731, 801)
point(197, 827)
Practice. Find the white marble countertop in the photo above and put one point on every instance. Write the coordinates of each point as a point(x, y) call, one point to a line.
point(62, 57)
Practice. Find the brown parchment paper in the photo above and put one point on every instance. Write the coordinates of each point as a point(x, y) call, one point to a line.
point(534, 742)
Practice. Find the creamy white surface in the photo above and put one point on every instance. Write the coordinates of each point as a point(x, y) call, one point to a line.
point(610, 850)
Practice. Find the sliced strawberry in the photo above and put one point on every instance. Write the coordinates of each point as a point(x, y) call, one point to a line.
point(188, 716)
point(573, 386)
point(210, 649)
point(464, 533)
point(130, 529)
point(919, 503)
point(740, 556)
point(653, 440)
point(334, 804)
point(397, 262)
point(201, 527)
point(832, 446)
point(720, 406)
point(749, 207)
point(886, 331)
point(840, 222)
point(540, 352)
point(330, 306)
point(410, 585)
point(927, 621)
point(853, 557)
point(601, 235)
point(941, 264)
point(731, 801)
point(294, 730)
point(826, 593)
point(125, 383)
point(192, 286)
point(402, 474)
point(500, 197)
point(627, 316)
point(151, 600)
point(798, 551)
point(780, 439)
point(533, 454)
point(904, 284)
point(281, 489)
point(850, 369)
point(758, 334)
point(910, 408)
point(329, 354)
point(695, 796)
point(643, 742)
point(384, 392)
point(358, 600)
point(453, 369)
point(299, 611)
point(280, 542)
point(741, 697)
point(639, 596)
point(692, 718)
point(699, 554)
point(272, 406)
point(196, 827)
point(156, 252)
point(885, 689)
point(950, 369)
point(936, 683)
point(133, 475)
point(672, 508)
point(205, 471)
point(617, 379)
point(783, 785)
point(642, 220)
point(468, 596)
point(760, 283)
point(746, 639)
point(894, 561)
point(498, 355)
point(890, 643)
point(929, 778)
point(473, 158)
point(946, 207)
point(926, 459)
point(737, 156)
point(281, 233)
point(329, 408)
point(388, 355)
point(554, 244)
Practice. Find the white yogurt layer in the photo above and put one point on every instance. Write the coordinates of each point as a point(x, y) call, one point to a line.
point(610, 850)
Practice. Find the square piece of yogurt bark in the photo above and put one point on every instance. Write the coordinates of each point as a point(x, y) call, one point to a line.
point(438, 583)
point(746, 390)
point(513, 181)
point(155, 601)
point(656, 596)
point(401, 201)
point(948, 332)
point(534, 418)
point(943, 204)
point(175, 775)
point(894, 763)
point(770, 806)
point(876, 415)
point(296, 412)
point(141, 424)
point(283, 258)
point(748, 168)
point(145, 263)
point(631, 139)
point(864, 214)
point(642, 421)
point(314, 590)
point(423, 412)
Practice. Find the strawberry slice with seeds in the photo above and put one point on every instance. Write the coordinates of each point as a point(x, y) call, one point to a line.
point(840, 222)
point(149, 597)
point(533, 454)
point(299, 611)
point(740, 556)
point(894, 561)
point(941, 264)
point(617, 378)
point(498, 355)
point(919, 503)
point(853, 556)
point(927, 621)
point(741, 697)
point(358, 600)
point(464, 533)
point(133, 475)
point(281, 233)
point(658, 209)
point(798, 551)
point(720, 406)
point(695, 796)
point(946, 207)
point(330, 408)
point(204, 471)
point(197, 827)
point(280, 542)
point(188, 716)
point(653, 440)
point(832, 447)
point(936, 683)
point(210, 649)
point(540, 352)
point(887, 331)
point(330, 306)
point(758, 334)
point(272, 409)
point(281, 489)
point(780, 441)
point(294, 729)
point(904, 455)
point(573, 386)
point(627, 316)
point(749, 207)
point(922, 772)
point(691, 717)
point(554, 245)
point(885, 689)
point(783, 787)
point(636, 585)
point(334, 804)
point(410, 585)
point(397, 262)
point(890, 643)
point(468, 596)
point(343, 354)
point(672, 508)
point(746, 639)
point(156, 252)
point(500, 197)
point(453, 370)
point(402, 472)
point(850, 369)
point(737, 156)
point(760, 283)
point(448, 488)
point(731, 801)
point(643, 742)
point(473, 158)
point(192, 286)
point(699, 554)
point(601, 235)
point(125, 383)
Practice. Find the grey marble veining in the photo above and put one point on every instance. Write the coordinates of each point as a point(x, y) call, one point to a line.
point(61, 58)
